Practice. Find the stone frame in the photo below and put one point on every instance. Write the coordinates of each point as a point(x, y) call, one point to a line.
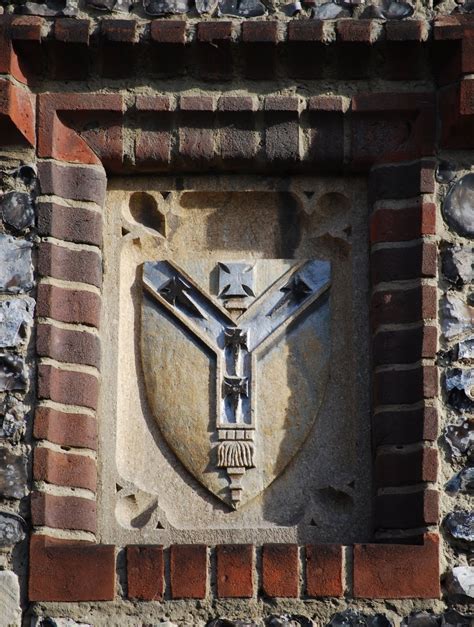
point(72, 165)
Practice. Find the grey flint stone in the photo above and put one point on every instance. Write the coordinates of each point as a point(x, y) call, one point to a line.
point(51, 8)
point(12, 419)
point(16, 210)
point(445, 172)
point(458, 208)
point(16, 315)
point(329, 11)
point(16, 272)
point(12, 528)
point(458, 264)
point(288, 621)
point(224, 622)
point(460, 527)
point(206, 6)
point(12, 474)
point(353, 618)
point(421, 619)
point(452, 618)
point(466, 349)
point(460, 581)
point(10, 610)
point(457, 317)
point(165, 7)
point(12, 373)
point(389, 10)
point(460, 387)
point(242, 8)
point(462, 482)
point(460, 438)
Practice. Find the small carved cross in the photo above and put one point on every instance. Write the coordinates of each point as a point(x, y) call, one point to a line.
point(235, 387)
point(294, 293)
point(235, 280)
point(175, 291)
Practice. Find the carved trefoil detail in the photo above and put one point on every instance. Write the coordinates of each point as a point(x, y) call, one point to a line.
point(236, 329)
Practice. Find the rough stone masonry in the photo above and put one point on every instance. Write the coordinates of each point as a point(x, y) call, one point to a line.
point(289, 442)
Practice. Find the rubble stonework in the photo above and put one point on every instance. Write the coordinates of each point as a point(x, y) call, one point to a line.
point(382, 94)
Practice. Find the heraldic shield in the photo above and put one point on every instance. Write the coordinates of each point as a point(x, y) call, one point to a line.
point(235, 359)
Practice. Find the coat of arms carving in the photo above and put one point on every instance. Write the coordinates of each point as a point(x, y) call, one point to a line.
point(235, 359)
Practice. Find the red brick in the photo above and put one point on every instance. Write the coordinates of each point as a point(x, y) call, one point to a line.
point(84, 266)
point(68, 387)
point(402, 181)
point(260, 32)
point(63, 512)
point(65, 429)
point(398, 427)
point(71, 572)
point(145, 573)
point(68, 305)
point(410, 510)
point(153, 103)
point(402, 264)
point(188, 571)
point(197, 103)
point(306, 31)
point(326, 118)
point(119, 30)
point(237, 104)
point(389, 571)
point(26, 28)
point(72, 30)
point(58, 140)
point(75, 347)
point(405, 346)
point(400, 306)
point(399, 225)
point(388, 127)
point(17, 114)
point(282, 132)
point(168, 32)
point(280, 570)
point(447, 27)
point(235, 570)
point(73, 224)
point(212, 31)
point(324, 570)
point(74, 183)
point(394, 468)
point(153, 149)
point(360, 31)
point(400, 387)
point(9, 63)
point(64, 469)
point(411, 30)
point(214, 56)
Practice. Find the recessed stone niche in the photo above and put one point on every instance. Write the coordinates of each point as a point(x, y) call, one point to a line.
point(235, 344)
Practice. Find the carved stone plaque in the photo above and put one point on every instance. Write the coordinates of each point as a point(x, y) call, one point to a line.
point(235, 378)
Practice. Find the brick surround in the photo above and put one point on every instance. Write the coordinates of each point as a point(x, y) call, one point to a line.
point(80, 138)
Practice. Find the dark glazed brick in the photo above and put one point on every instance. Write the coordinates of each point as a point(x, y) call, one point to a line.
point(399, 225)
point(405, 346)
point(260, 32)
point(74, 347)
point(73, 224)
point(61, 570)
point(76, 306)
point(145, 573)
point(411, 30)
point(68, 387)
point(402, 181)
point(64, 469)
point(360, 31)
point(400, 306)
point(407, 511)
point(405, 427)
point(384, 571)
point(169, 39)
point(84, 266)
point(235, 570)
point(403, 387)
point(26, 28)
point(238, 136)
point(188, 571)
point(402, 264)
point(65, 429)
point(306, 31)
point(397, 468)
point(72, 182)
point(280, 573)
point(63, 512)
point(119, 30)
point(324, 570)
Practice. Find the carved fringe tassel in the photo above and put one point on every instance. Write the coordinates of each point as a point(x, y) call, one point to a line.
point(235, 455)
